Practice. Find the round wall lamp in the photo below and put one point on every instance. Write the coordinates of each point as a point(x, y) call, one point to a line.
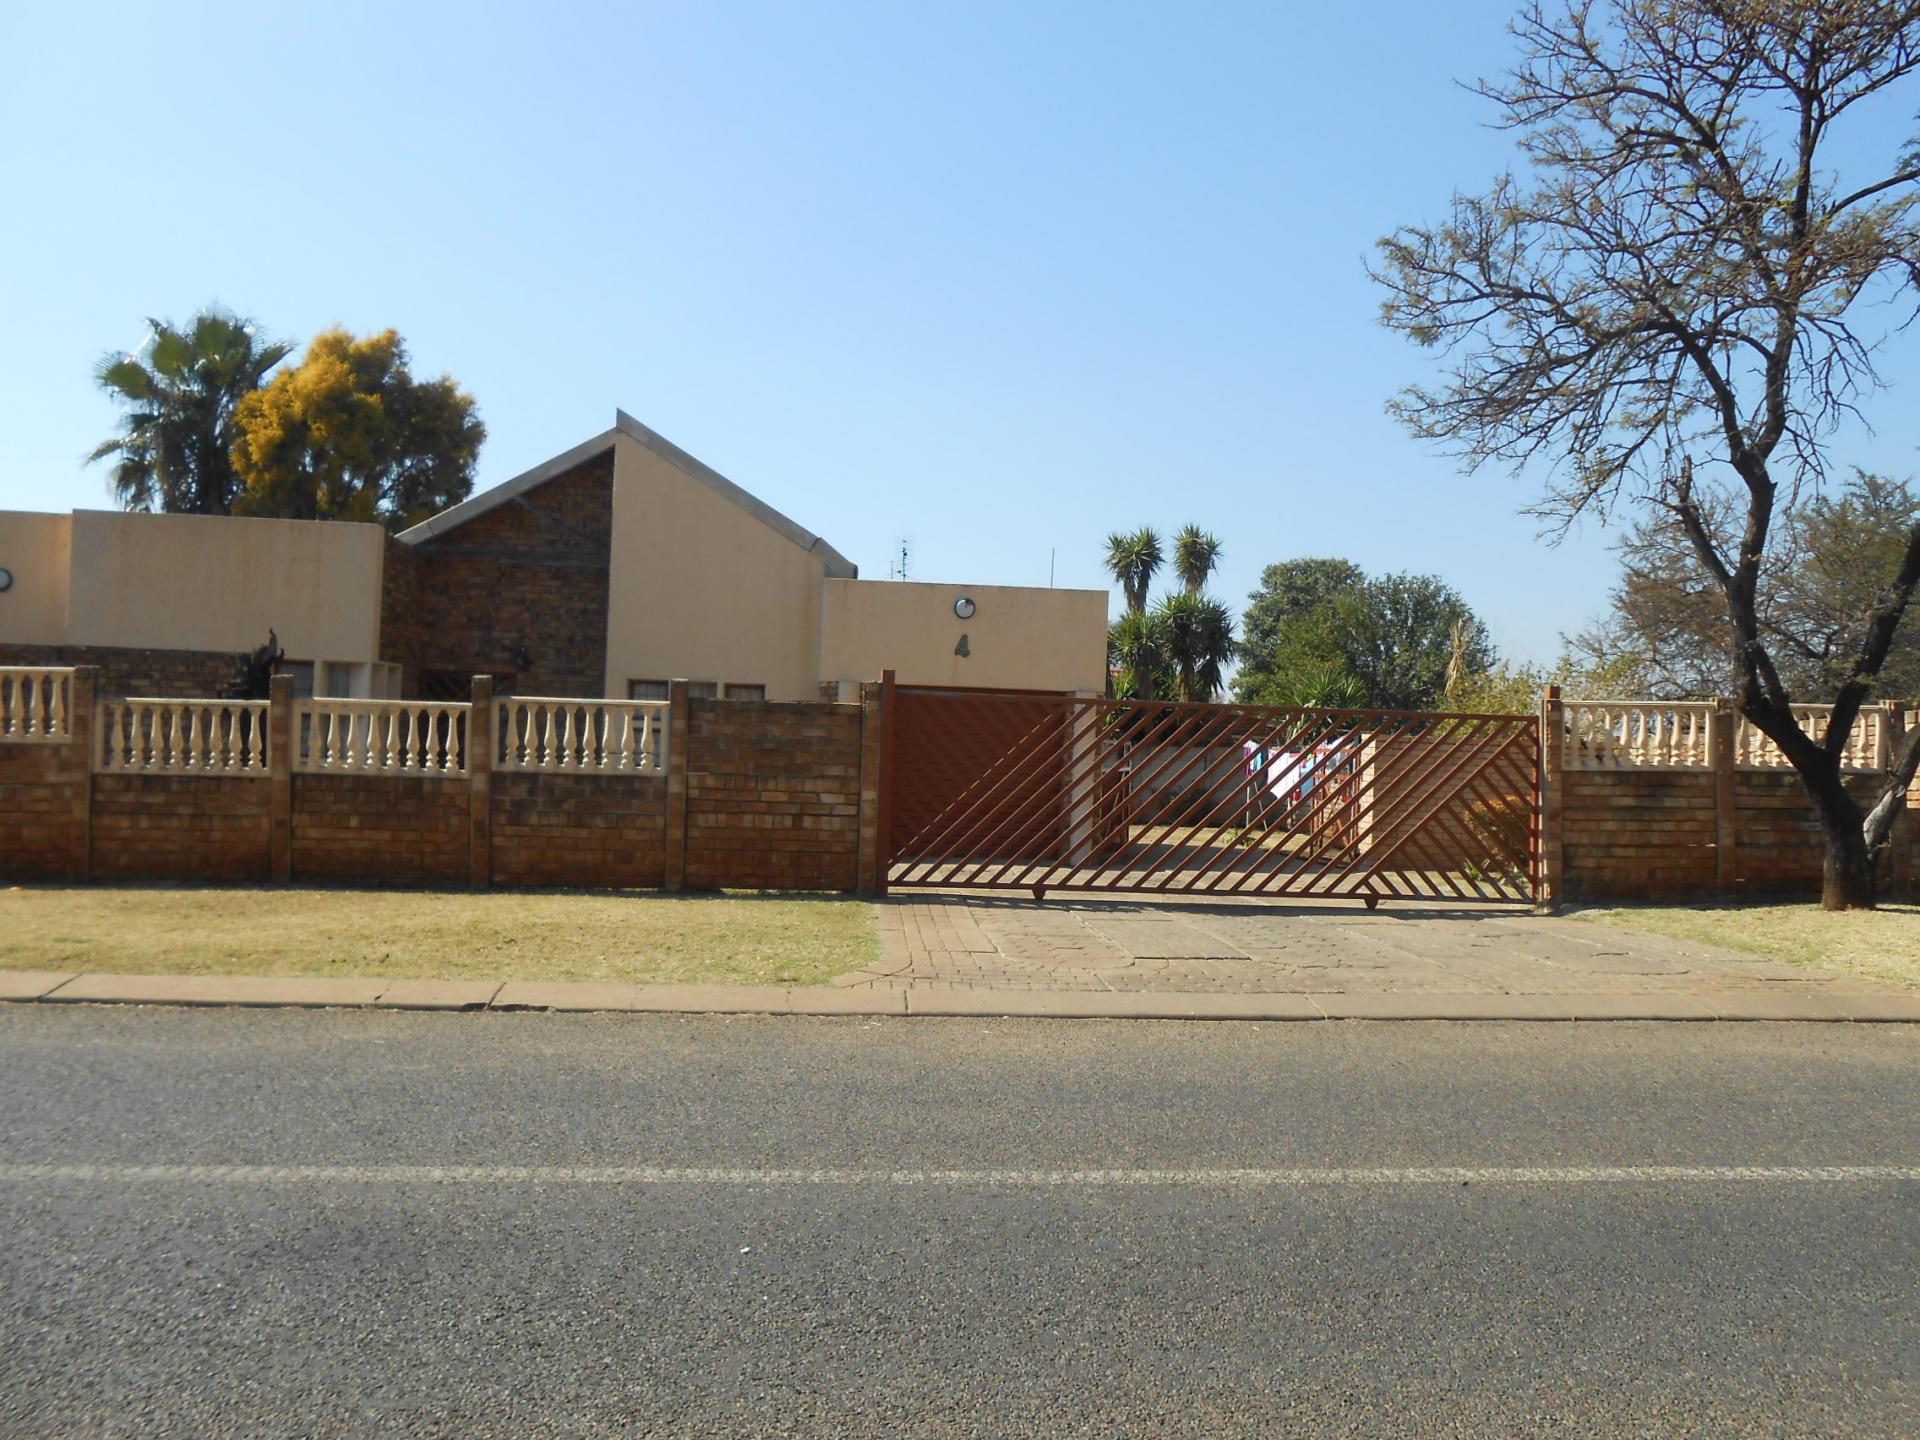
point(963, 607)
point(6, 578)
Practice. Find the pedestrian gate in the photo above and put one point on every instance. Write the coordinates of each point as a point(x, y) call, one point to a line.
point(1052, 792)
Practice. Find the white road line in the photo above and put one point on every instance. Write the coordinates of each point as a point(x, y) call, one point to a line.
point(952, 1179)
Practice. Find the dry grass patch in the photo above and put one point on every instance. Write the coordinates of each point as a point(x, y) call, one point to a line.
point(1882, 944)
point(740, 938)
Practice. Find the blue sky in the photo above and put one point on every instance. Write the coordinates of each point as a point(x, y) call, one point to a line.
point(992, 278)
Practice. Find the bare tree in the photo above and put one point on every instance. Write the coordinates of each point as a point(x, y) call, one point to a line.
point(1665, 312)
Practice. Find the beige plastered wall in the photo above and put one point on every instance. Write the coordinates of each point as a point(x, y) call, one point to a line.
point(205, 582)
point(1018, 638)
point(35, 548)
point(701, 589)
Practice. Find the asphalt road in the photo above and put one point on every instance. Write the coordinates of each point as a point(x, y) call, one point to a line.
point(317, 1224)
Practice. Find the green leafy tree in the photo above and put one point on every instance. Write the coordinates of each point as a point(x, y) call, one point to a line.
point(349, 434)
point(1285, 630)
point(1397, 635)
point(1678, 303)
point(179, 396)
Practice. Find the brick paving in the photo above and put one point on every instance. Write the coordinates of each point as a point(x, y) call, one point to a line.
point(1250, 947)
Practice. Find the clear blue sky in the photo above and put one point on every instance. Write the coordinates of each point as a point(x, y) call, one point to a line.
point(994, 278)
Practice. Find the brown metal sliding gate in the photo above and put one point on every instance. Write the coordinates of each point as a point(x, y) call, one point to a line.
point(1057, 793)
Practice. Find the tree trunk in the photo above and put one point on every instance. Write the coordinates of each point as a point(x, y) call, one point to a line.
point(1847, 882)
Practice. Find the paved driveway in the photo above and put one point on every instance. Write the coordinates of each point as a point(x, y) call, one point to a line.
point(1248, 947)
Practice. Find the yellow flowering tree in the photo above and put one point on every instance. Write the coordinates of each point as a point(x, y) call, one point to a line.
point(349, 434)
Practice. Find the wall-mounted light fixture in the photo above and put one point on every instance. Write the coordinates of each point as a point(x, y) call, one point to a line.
point(964, 607)
point(6, 578)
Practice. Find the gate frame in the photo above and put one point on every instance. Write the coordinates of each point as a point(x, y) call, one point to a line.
point(1540, 774)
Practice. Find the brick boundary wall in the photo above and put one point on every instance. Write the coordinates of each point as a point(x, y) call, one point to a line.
point(773, 795)
point(179, 827)
point(754, 795)
point(1724, 832)
point(761, 795)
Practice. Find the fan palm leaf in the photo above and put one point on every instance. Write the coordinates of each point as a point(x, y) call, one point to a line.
point(179, 394)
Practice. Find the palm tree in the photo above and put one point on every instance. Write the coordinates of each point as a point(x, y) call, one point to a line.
point(1198, 633)
point(1137, 656)
point(1328, 685)
point(1195, 554)
point(1133, 560)
point(175, 449)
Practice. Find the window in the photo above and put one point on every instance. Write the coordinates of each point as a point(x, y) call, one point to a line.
point(302, 673)
point(697, 690)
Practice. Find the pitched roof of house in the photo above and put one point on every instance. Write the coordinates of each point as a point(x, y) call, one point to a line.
point(838, 566)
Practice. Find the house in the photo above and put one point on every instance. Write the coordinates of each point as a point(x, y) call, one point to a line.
point(614, 567)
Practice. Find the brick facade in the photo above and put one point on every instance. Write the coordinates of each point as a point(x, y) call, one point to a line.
point(518, 592)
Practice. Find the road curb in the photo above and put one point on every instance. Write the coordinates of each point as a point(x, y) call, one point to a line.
point(265, 992)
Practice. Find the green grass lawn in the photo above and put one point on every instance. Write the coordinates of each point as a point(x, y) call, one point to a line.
point(1882, 944)
point(742, 938)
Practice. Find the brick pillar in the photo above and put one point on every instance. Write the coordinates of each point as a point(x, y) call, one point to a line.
point(480, 785)
point(80, 760)
point(280, 743)
point(1898, 860)
point(871, 877)
point(889, 749)
point(1553, 725)
point(679, 742)
point(1726, 799)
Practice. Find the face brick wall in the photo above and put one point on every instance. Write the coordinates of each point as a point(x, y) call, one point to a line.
point(587, 830)
point(1638, 833)
point(1780, 846)
point(370, 829)
point(1650, 834)
point(179, 827)
point(36, 809)
point(520, 591)
point(171, 674)
point(773, 795)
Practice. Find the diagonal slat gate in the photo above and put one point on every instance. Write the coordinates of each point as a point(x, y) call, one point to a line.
point(1062, 793)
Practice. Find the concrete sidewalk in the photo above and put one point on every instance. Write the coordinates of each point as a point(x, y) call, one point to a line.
point(1780, 1002)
